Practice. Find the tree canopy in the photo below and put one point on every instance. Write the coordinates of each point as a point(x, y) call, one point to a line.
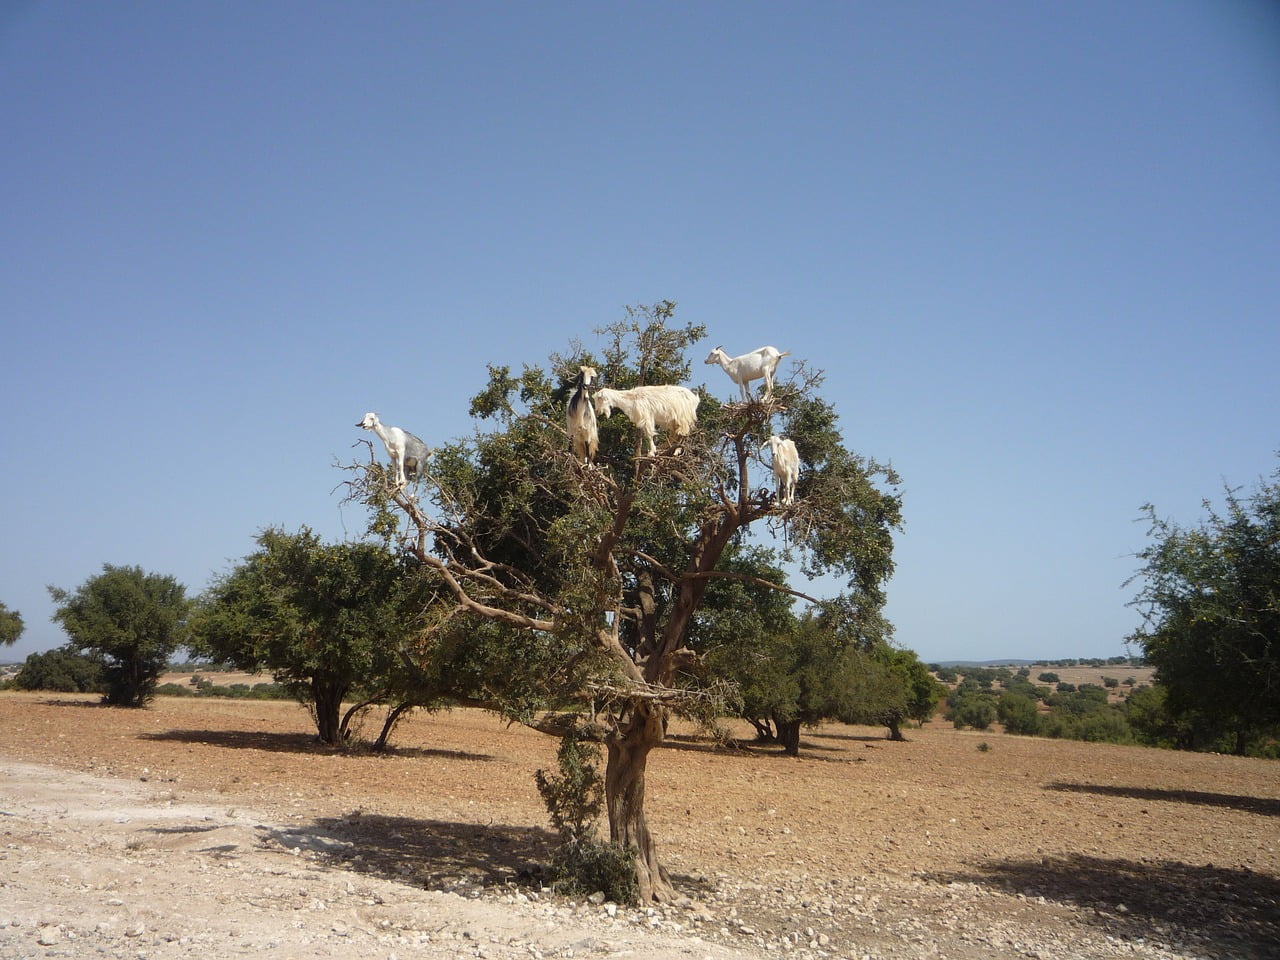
point(328, 621)
point(594, 575)
point(134, 620)
point(11, 626)
point(1211, 601)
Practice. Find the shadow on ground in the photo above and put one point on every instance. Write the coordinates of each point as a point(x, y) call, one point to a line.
point(1235, 913)
point(1267, 806)
point(297, 743)
point(436, 854)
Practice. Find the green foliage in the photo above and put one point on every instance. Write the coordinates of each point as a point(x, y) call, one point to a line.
point(64, 670)
point(593, 581)
point(11, 626)
point(596, 866)
point(133, 620)
point(1211, 602)
point(1018, 713)
point(977, 711)
point(575, 797)
point(582, 863)
point(328, 621)
point(1049, 677)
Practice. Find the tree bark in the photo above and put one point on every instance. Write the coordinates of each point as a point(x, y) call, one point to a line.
point(789, 737)
point(328, 704)
point(624, 783)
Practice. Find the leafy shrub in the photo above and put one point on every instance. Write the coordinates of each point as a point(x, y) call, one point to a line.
point(583, 863)
point(1018, 714)
point(1105, 726)
point(1048, 678)
point(64, 670)
point(592, 866)
point(977, 711)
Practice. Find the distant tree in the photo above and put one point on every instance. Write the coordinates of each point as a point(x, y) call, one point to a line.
point(804, 671)
point(11, 626)
point(63, 670)
point(328, 620)
point(922, 693)
point(1210, 597)
point(1018, 713)
point(134, 620)
point(977, 710)
point(1048, 677)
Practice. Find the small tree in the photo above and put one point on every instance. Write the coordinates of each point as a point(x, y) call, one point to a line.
point(65, 670)
point(11, 626)
point(134, 620)
point(328, 620)
point(1018, 713)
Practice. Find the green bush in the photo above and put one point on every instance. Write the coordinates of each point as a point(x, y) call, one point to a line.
point(595, 866)
point(1048, 678)
point(582, 863)
point(64, 670)
point(977, 711)
point(1018, 714)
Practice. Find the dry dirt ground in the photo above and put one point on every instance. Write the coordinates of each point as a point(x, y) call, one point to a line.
point(218, 829)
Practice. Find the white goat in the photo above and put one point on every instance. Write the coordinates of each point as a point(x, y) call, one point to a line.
point(408, 453)
point(669, 407)
point(583, 432)
point(786, 466)
point(750, 366)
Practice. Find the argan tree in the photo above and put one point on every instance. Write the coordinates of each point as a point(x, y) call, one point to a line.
point(327, 620)
point(133, 620)
point(1211, 600)
point(591, 577)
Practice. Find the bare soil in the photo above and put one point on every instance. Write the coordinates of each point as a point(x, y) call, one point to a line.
point(218, 828)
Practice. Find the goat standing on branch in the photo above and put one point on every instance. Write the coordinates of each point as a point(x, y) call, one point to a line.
point(786, 466)
point(750, 366)
point(408, 453)
point(669, 407)
point(583, 433)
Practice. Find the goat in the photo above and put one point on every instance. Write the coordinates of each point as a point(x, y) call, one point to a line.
point(669, 407)
point(583, 433)
point(750, 366)
point(786, 466)
point(408, 453)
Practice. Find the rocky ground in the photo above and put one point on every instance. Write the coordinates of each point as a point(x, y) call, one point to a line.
point(218, 829)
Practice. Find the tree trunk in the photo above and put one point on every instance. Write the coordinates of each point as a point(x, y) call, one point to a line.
point(789, 736)
point(381, 743)
point(629, 748)
point(328, 705)
point(895, 730)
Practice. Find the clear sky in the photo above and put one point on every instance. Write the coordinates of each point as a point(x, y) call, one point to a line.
point(1035, 246)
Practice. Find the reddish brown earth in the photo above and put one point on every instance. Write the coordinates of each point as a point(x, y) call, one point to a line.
point(240, 834)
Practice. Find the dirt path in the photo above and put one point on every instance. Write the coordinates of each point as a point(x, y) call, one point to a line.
point(220, 829)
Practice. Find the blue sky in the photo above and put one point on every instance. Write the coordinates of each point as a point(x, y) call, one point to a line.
point(1034, 246)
